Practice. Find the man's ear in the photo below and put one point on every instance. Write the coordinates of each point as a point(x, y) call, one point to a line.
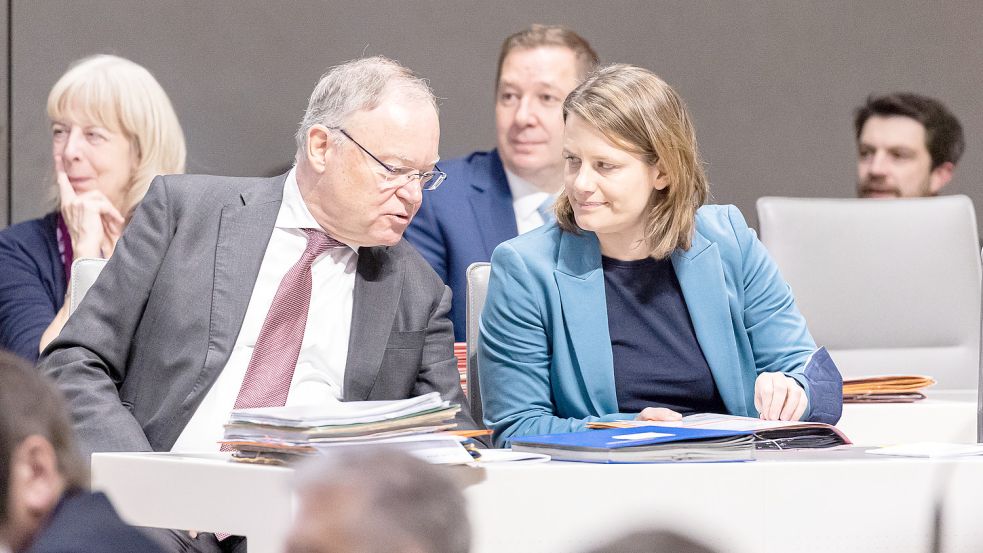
point(658, 175)
point(940, 176)
point(320, 146)
point(35, 476)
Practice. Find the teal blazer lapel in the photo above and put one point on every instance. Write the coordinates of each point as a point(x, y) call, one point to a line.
point(701, 277)
point(580, 282)
point(244, 231)
point(377, 280)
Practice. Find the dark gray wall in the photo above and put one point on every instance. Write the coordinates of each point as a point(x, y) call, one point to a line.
point(4, 128)
point(771, 83)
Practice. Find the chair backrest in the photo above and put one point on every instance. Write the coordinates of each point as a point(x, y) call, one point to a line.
point(979, 391)
point(477, 276)
point(84, 272)
point(889, 287)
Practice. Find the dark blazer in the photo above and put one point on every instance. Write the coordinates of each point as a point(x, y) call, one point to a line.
point(159, 324)
point(462, 222)
point(32, 284)
point(86, 522)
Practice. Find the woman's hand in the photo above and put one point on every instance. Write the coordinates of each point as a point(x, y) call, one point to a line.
point(779, 397)
point(658, 414)
point(93, 222)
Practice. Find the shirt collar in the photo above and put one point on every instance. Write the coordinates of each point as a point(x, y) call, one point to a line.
point(526, 197)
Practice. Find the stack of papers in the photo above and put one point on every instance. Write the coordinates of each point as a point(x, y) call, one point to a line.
point(885, 389)
point(644, 444)
point(279, 435)
point(461, 354)
point(767, 434)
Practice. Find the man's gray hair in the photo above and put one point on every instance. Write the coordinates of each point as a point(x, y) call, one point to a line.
point(358, 85)
point(405, 501)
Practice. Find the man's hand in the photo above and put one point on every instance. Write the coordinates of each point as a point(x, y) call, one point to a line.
point(658, 414)
point(779, 397)
point(93, 222)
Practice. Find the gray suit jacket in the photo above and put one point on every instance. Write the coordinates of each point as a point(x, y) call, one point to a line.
point(156, 329)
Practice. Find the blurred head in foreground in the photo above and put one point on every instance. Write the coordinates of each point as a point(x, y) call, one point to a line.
point(374, 500)
point(38, 459)
point(654, 541)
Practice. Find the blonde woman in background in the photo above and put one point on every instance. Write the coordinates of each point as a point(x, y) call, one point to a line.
point(112, 130)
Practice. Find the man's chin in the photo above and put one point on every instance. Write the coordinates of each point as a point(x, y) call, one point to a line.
point(531, 167)
point(879, 193)
point(529, 159)
point(389, 239)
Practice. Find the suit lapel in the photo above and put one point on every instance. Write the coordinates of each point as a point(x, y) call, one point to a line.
point(701, 278)
point(491, 201)
point(377, 288)
point(580, 281)
point(244, 231)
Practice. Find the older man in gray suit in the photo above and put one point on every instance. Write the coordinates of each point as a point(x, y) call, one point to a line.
point(203, 306)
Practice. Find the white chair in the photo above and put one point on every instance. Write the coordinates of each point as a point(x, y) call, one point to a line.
point(477, 277)
point(888, 286)
point(979, 390)
point(84, 273)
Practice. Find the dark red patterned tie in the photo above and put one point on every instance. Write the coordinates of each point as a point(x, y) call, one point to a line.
point(271, 368)
point(274, 359)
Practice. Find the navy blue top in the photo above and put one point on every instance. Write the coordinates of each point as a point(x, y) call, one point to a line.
point(657, 359)
point(85, 521)
point(32, 283)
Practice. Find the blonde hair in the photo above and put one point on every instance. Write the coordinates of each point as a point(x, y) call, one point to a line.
point(122, 95)
point(639, 112)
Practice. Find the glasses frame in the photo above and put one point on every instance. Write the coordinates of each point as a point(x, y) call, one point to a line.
point(436, 176)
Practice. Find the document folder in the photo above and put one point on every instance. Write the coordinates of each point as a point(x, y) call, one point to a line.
point(644, 444)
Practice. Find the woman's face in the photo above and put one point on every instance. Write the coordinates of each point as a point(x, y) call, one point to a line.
point(94, 156)
point(607, 186)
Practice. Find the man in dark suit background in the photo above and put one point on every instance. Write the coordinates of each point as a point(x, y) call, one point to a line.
point(233, 292)
point(44, 506)
point(493, 196)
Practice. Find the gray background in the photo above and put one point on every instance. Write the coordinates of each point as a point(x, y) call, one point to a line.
point(771, 84)
point(4, 128)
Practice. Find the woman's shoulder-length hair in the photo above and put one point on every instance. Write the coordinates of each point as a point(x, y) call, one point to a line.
point(638, 111)
point(123, 96)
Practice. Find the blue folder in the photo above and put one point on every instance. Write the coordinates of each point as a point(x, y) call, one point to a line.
point(643, 444)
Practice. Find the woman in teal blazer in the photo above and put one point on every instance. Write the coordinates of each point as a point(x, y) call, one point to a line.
point(634, 191)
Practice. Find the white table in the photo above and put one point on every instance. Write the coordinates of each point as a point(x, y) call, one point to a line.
point(767, 506)
point(199, 492)
point(944, 416)
point(840, 501)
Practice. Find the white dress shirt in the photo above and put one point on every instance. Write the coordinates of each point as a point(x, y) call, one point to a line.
point(526, 199)
point(320, 372)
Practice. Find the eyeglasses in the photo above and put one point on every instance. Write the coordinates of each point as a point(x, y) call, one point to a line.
point(397, 177)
